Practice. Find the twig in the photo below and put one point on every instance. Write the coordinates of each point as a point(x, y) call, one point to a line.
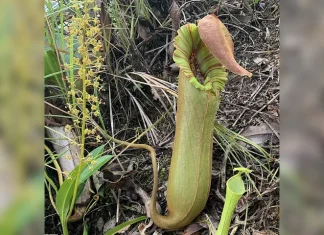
point(252, 98)
point(273, 130)
point(157, 54)
point(183, 5)
point(112, 127)
point(263, 52)
point(118, 206)
point(238, 77)
point(252, 110)
point(235, 26)
point(57, 166)
point(264, 106)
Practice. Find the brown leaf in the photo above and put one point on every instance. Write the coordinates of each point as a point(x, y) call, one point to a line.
point(143, 31)
point(105, 21)
point(175, 14)
point(219, 42)
point(192, 229)
point(265, 232)
point(261, 134)
point(143, 227)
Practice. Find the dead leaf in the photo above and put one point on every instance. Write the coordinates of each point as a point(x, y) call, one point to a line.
point(142, 227)
point(97, 176)
point(109, 225)
point(192, 229)
point(238, 19)
point(267, 34)
point(175, 14)
point(143, 32)
point(146, 199)
point(261, 134)
point(268, 232)
point(69, 156)
point(174, 67)
point(260, 60)
point(234, 230)
point(208, 222)
point(55, 120)
point(100, 224)
point(115, 172)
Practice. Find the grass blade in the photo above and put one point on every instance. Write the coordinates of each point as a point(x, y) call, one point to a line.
point(85, 229)
point(123, 225)
point(63, 200)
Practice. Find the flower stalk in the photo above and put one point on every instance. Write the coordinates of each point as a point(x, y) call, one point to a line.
point(83, 81)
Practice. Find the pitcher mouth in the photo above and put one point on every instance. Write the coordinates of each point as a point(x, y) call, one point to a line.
point(201, 68)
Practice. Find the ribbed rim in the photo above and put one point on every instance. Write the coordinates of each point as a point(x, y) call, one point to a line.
point(188, 42)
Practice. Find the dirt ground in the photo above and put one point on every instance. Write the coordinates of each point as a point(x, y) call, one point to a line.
point(245, 103)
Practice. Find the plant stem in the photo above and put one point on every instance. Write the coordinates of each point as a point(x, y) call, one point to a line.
point(84, 118)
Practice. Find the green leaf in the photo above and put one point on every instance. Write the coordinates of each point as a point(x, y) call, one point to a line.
point(123, 225)
point(64, 197)
point(90, 170)
point(52, 69)
point(253, 2)
point(85, 229)
point(97, 151)
point(65, 193)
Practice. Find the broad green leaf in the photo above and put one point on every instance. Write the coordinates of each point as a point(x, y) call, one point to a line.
point(90, 170)
point(51, 63)
point(64, 55)
point(123, 225)
point(97, 151)
point(65, 193)
point(64, 197)
point(53, 71)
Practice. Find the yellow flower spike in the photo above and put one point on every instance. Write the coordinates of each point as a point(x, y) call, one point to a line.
point(96, 84)
point(68, 128)
point(68, 157)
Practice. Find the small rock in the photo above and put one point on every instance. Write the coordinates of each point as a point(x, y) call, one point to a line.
point(100, 224)
point(109, 225)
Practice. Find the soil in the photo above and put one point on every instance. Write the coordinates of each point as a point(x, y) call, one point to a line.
point(245, 102)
